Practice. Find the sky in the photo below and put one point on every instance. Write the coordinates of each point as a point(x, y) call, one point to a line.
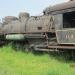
point(34, 7)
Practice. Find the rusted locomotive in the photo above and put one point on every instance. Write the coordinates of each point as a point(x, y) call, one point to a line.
point(55, 29)
point(28, 30)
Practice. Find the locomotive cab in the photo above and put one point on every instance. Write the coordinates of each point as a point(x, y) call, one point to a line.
point(65, 24)
point(65, 28)
point(64, 21)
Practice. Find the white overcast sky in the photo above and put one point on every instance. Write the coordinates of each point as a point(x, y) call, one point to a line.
point(34, 7)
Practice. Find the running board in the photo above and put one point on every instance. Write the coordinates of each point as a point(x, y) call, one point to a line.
point(61, 47)
point(53, 48)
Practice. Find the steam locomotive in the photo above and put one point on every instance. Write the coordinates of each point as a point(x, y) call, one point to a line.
point(55, 29)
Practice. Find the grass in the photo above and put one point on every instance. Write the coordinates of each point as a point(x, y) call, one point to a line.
point(20, 63)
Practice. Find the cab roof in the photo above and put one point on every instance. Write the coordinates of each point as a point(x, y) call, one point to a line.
point(68, 6)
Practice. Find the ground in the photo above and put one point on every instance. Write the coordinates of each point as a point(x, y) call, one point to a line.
point(22, 63)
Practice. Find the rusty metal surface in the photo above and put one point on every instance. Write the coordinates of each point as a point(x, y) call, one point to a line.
point(59, 7)
point(58, 21)
point(62, 47)
point(8, 19)
point(29, 24)
point(14, 27)
point(1, 26)
point(66, 36)
point(40, 24)
point(54, 48)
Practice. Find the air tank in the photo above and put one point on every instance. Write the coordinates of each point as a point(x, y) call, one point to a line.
point(15, 37)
